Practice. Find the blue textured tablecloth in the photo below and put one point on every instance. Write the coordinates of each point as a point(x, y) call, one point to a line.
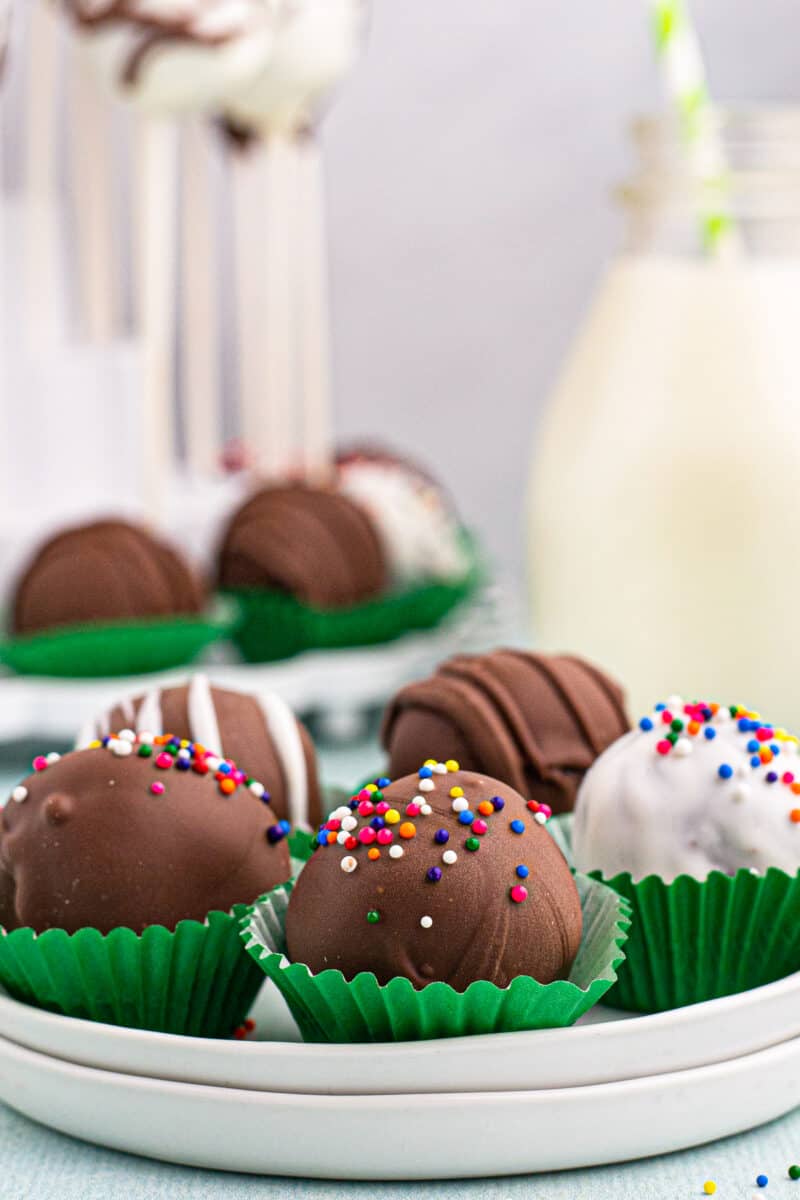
point(36, 1164)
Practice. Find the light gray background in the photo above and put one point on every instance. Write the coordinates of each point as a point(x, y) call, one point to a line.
point(471, 161)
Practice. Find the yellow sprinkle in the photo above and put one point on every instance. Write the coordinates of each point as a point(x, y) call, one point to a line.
point(709, 1187)
point(184, 743)
point(391, 817)
point(455, 792)
point(95, 745)
point(371, 787)
point(429, 762)
point(452, 765)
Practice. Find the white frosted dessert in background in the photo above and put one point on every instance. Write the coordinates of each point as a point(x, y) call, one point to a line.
point(664, 523)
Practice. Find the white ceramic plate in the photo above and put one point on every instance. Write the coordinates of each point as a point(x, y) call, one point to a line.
point(621, 1047)
point(401, 1137)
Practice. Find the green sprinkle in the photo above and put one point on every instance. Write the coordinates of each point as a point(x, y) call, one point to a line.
point(473, 843)
point(794, 1172)
point(672, 738)
point(677, 725)
point(373, 916)
point(376, 797)
point(145, 751)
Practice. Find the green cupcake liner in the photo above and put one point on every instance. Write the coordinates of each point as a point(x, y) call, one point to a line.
point(693, 940)
point(194, 980)
point(274, 625)
point(329, 1008)
point(116, 647)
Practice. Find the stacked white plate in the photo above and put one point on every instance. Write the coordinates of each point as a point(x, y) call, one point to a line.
point(614, 1087)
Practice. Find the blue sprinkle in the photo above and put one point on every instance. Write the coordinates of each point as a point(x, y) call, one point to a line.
point(425, 773)
point(753, 746)
point(322, 839)
point(707, 713)
point(660, 707)
point(710, 733)
point(762, 1180)
point(377, 822)
point(441, 836)
point(755, 761)
point(772, 777)
point(383, 783)
point(434, 874)
point(775, 748)
point(225, 768)
point(285, 826)
point(183, 764)
point(645, 724)
point(498, 803)
point(744, 725)
point(725, 771)
point(466, 817)
point(523, 872)
point(275, 834)
point(517, 826)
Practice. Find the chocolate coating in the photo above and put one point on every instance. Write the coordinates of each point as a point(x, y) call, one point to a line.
point(105, 571)
point(316, 544)
point(537, 721)
point(477, 930)
point(90, 845)
point(242, 733)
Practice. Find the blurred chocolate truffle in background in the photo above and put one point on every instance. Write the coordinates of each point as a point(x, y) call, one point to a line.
point(257, 730)
point(443, 875)
point(537, 721)
point(312, 543)
point(134, 833)
point(102, 572)
point(420, 532)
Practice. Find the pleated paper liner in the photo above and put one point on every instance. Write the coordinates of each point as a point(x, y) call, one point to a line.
point(329, 1008)
point(194, 980)
point(116, 647)
point(274, 625)
point(693, 940)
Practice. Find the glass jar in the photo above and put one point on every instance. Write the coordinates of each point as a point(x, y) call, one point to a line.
point(663, 510)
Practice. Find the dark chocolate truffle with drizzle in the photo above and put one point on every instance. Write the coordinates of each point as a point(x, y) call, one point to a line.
point(257, 730)
point(134, 834)
point(444, 875)
point(105, 571)
point(313, 543)
point(538, 721)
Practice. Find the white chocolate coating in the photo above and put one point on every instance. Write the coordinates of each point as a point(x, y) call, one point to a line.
point(682, 813)
point(422, 538)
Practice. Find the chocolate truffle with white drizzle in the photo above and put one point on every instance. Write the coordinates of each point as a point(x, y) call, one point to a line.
point(259, 731)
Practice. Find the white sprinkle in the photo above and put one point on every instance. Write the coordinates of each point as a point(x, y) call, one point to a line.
point(213, 764)
point(19, 794)
point(439, 769)
point(348, 864)
point(740, 793)
point(184, 754)
point(146, 738)
point(682, 748)
point(349, 822)
point(342, 836)
point(722, 715)
point(743, 772)
point(340, 813)
point(426, 810)
point(460, 804)
point(449, 857)
point(426, 785)
point(120, 749)
point(790, 747)
point(52, 758)
point(540, 818)
point(396, 852)
point(426, 922)
point(127, 735)
point(256, 788)
point(675, 702)
point(417, 800)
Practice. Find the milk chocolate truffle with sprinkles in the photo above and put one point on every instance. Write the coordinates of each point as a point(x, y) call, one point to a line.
point(135, 832)
point(105, 571)
point(443, 875)
point(537, 721)
point(313, 543)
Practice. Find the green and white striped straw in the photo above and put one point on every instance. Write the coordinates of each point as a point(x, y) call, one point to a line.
point(681, 59)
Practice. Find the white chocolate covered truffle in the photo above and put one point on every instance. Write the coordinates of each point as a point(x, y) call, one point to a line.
point(695, 788)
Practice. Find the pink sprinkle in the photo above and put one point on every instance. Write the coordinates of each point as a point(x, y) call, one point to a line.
point(666, 717)
point(334, 823)
point(547, 810)
point(164, 761)
point(479, 826)
point(519, 893)
point(239, 776)
point(412, 810)
point(382, 807)
point(787, 777)
point(40, 763)
point(366, 836)
point(385, 836)
point(663, 747)
point(365, 808)
point(363, 794)
point(157, 788)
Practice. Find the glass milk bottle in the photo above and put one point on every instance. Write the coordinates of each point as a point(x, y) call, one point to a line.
point(664, 508)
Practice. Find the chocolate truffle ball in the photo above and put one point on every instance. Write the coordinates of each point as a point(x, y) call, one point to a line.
point(258, 731)
point(537, 721)
point(444, 875)
point(106, 571)
point(311, 542)
point(134, 834)
point(695, 788)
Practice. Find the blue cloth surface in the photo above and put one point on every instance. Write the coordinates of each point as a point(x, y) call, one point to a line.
point(37, 1164)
